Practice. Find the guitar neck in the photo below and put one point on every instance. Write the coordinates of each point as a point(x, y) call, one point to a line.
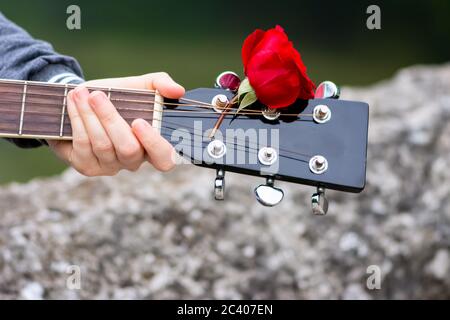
point(39, 110)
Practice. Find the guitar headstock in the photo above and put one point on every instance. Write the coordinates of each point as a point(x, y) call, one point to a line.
point(320, 142)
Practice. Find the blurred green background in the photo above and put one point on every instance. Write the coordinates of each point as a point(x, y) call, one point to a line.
point(196, 40)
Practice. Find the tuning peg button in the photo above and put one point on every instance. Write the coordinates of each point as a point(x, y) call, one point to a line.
point(219, 185)
point(228, 80)
point(327, 90)
point(268, 195)
point(319, 202)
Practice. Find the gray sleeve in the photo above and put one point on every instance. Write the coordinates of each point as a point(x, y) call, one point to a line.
point(25, 58)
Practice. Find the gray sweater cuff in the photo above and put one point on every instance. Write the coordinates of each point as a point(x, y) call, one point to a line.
point(57, 73)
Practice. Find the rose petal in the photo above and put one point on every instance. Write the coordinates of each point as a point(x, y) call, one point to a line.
point(275, 68)
point(249, 44)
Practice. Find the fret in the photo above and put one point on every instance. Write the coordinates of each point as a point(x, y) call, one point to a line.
point(63, 112)
point(109, 93)
point(22, 112)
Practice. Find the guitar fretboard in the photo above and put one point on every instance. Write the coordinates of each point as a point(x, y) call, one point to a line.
point(39, 110)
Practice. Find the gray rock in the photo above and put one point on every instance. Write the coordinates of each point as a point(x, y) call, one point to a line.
point(439, 267)
point(32, 291)
point(156, 236)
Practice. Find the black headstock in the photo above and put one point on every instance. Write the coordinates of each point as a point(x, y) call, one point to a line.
point(320, 142)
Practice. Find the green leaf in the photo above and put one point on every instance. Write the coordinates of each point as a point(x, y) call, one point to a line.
point(244, 88)
point(249, 98)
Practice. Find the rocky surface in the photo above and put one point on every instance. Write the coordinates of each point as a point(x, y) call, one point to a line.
point(155, 236)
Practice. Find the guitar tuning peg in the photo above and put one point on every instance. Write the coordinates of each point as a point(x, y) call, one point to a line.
point(268, 195)
point(219, 185)
point(228, 80)
point(327, 90)
point(319, 202)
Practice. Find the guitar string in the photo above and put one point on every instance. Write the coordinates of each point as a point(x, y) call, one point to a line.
point(21, 84)
point(165, 127)
point(145, 93)
point(194, 103)
point(167, 134)
point(239, 140)
point(202, 147)
point(151, 102)
point(234, 145)
point(282, 155)
point(125, 118)
point(247, 112)
point(243, 148)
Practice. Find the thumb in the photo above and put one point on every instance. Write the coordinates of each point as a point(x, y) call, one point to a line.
point(165, 85)
point(160, 81)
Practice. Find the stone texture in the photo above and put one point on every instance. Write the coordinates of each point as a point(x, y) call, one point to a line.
point(155, 236)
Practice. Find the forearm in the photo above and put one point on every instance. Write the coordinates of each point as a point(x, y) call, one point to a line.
point(25, 58)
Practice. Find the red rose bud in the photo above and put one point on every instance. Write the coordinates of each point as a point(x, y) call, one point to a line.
point(228, 80)
point(275, 69)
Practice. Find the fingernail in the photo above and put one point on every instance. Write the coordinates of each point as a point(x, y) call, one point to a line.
point(141, 125)
point(80, 92)
point(97, 98)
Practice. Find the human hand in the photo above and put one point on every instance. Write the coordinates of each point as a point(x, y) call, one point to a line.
point(103, 142)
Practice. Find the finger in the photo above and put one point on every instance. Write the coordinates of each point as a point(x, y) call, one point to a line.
point(82, 148)
point(101, 144)
point(159, 150)
point(128, 149)
point(160, 81)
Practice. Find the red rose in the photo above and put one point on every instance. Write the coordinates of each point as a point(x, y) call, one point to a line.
point(275, 69)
